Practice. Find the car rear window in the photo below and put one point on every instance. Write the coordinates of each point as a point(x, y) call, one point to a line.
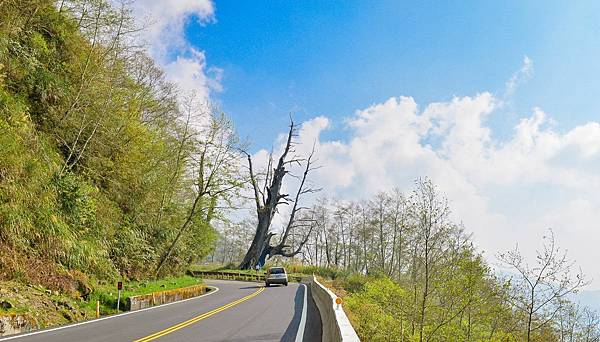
point(277, 270)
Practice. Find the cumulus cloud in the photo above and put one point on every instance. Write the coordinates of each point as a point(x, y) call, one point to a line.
point(504, 191)
point(164, 21)
point(190, 73)
point(164, 35)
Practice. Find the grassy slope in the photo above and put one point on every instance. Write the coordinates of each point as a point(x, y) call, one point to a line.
point(107, 293)
point(45, 307)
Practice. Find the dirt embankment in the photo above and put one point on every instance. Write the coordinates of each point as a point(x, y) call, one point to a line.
point(29, 307)
point(35, 295)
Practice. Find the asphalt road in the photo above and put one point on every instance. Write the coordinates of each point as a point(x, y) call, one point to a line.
point(237, 311)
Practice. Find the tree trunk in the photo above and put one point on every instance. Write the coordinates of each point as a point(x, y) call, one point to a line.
point(258, 243)
point(183, 228)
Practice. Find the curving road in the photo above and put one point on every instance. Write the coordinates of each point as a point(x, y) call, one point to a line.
point(237, 311)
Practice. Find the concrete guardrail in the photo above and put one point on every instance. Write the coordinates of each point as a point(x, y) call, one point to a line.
point(163, 297)
point(336, 325)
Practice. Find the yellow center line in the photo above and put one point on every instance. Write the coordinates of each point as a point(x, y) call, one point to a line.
point(182, 325)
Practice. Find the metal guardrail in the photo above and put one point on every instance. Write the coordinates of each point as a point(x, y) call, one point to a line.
point(240, 276)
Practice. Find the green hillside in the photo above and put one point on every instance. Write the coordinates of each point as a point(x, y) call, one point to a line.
point(93, 148)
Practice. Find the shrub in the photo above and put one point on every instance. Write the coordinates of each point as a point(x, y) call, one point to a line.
point(376, 308)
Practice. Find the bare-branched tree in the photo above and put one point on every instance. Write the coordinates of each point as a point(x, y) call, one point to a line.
point(213, 174)
point(267, 199)
point(541, 287)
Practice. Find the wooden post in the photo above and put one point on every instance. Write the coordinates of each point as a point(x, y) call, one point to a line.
point(97, 309)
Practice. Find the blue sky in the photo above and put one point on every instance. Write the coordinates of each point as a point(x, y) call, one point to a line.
point(330, 58)
point(495, 102)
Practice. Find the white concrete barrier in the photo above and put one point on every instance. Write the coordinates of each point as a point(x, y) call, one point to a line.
point(336, 326)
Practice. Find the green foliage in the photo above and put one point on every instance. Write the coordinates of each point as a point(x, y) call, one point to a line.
point(107, 293)
point(77, 202)
point(355, 283)
point(409, 273)
point(131, 252)
point(322, 271)
point(377, 310)
point(380, 309)
point(94, 155)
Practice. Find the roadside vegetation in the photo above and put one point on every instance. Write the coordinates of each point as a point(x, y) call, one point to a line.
point(408, 272)
point(231, 268)
point(107, 293)
point(43, 307)
point(107, 171)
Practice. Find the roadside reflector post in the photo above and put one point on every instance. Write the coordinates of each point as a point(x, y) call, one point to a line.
point(97, 309)
point(338, 301)
point(119, 288)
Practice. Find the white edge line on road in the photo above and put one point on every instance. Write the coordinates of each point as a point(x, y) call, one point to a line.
point(300, 334)
point(215, 290)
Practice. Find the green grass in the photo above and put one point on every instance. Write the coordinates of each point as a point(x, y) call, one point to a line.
point(18, 310)
point(140, 288)
point(107, 294)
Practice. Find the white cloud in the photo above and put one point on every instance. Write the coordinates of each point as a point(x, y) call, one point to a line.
point(505, 192)
point(522, 75)
point(164, 21)
point(190, 74)
point(164, 35)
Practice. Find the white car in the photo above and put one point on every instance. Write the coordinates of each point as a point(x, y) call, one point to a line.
point(276, 275)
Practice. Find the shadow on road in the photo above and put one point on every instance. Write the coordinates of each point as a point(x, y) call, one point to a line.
point(292, 329)
point(313, 329)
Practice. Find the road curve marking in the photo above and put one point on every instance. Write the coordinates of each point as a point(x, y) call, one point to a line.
point(301, 326)
point(213, 291)
point(182, 325)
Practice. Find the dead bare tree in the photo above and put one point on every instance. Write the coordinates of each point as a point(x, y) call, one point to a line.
point(268, 197)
